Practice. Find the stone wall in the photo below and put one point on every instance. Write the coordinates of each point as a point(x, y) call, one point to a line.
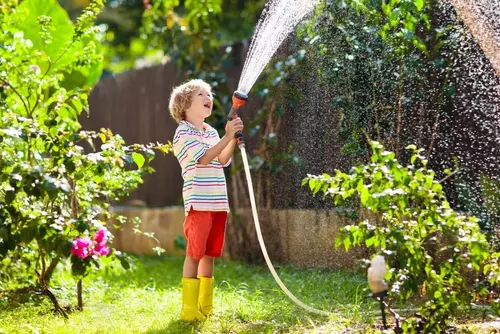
point(302, 238)
point(165, 223)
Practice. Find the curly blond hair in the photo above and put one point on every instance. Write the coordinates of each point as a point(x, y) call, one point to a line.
point(182, 96)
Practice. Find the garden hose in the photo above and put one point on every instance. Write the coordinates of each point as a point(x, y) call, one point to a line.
point(239, 100)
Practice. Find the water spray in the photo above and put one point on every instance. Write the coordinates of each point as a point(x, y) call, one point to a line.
point(277, 21)
point(239, 100)
point(263, 246)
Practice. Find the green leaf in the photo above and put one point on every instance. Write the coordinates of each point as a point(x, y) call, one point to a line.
point(360, 185)
point(138, 159)
point(82, 76)
point(419, 44)
point(338, 241)
point(28, 233)
point(419, 4)
point(365, 195)
point(76, 78)
point(347, 243)
point(65, 248)
point(369, 242)
point(77, 104)
point(82, 226)
point(124, 263)
point(10, 196)
point(78, 266)
point(94, 73)
point(386, 9)
point(70, 165)
point(62, 28)
point(496, 306)
point(60, 48)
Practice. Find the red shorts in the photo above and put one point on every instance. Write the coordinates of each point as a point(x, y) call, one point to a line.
point(205, 231)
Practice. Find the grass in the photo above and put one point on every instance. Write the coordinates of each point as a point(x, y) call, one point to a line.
point(146, 299)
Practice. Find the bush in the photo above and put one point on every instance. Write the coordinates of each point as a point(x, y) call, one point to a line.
point(56, 186)
point(426, 243)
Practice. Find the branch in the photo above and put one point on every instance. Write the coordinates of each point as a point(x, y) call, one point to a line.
point(41, 275)
point(53, 299)
point(47, 72)
point(449, 175)
point(17, 93)
point(368, 139)
point(53, 264)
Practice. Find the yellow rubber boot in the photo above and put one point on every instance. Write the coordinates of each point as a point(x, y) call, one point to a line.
point(190, 291)
point(205, 300)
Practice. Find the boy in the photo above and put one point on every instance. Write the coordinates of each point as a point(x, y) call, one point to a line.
point(202, 156)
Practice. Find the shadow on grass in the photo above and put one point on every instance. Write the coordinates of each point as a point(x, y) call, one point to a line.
point(222, 323)
point(177, 326)
point(161, 272)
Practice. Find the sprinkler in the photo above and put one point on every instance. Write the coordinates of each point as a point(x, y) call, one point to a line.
point(239, 100)
point(378, 285)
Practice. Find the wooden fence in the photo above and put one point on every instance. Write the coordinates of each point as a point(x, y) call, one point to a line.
point(135, 105)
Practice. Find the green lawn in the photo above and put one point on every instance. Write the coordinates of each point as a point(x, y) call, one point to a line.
point(146, 299)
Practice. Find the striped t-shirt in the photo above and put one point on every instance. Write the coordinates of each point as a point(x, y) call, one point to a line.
point(204, 185)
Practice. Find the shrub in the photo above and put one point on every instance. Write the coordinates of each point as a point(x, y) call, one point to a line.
point(56, 184)
point(426, 243)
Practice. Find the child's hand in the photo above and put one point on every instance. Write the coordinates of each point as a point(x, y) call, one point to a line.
point(234, 126)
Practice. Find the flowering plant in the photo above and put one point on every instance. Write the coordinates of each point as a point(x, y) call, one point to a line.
point(84, 247)
point(56, 180)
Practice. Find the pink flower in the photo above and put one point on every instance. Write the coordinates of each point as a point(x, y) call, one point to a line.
point(101, 235)
point(101, 238)
point(101, 251)
point(81, 247)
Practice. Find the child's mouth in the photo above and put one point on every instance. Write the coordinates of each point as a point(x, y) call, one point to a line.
point(208, 105)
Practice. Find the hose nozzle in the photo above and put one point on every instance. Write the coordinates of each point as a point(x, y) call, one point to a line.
point(239, 100)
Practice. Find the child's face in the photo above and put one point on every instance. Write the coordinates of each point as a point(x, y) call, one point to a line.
point(202, 103)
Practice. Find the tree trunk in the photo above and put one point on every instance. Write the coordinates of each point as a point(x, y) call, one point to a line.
point(79, 295)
